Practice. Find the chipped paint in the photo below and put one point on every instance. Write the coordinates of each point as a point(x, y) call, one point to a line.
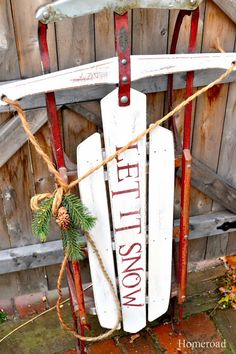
point(3, 41)
point(60, 9)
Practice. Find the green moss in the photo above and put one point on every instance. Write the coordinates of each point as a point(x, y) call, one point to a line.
point(3, 316)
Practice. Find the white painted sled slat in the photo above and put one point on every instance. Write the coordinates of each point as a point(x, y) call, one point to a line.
point(127, 184)
point(93, 195)
point(161, 199)
point(106, 72)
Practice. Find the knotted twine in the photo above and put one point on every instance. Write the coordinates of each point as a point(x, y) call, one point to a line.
point(64, 188)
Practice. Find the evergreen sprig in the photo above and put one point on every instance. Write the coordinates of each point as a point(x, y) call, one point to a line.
point(41, 219)
point(79, 214)
point(80, 221)
point(72, 243)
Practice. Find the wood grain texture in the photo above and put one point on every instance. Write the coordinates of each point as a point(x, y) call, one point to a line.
point(160, 220)
point(216, 246)
point(229, 7)
point(178, 96)
point(88, 110)
point(153, 24)
point(150, 85)
point(227, 159)
point(75, 41)
point(12, 135)
point(9, 69)
point(213, 185)
point(4, 237)
point(76, 128)
point(8, 286)
point(231, 246)
point(94, 196)
point(104, 35)
point(27, 38)
point(50, 254)
point(210, 107)
point(16, 189)
point(127, 186)
point(75, 46)
point(9, 66)
point(26, 34)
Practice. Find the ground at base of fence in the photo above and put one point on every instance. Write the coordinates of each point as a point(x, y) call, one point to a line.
point(44, 336)
point(201, 334)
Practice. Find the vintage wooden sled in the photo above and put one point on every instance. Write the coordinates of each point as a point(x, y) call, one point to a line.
point(138, 186)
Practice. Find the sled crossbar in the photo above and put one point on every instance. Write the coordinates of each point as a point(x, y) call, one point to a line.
point(106, 72)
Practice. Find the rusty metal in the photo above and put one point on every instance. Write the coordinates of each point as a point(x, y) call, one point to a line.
point(172, 122)
point(74, 283)
point(61, 9)
point(184, 223)
point(186, 171)
point(123, 52)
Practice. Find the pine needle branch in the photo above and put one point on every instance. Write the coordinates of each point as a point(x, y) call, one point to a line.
point(72, 242)
point(79, 214)
point(41, 219)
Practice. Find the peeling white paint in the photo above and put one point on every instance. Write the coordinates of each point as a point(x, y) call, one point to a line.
point(3, 41)
point(7, 196)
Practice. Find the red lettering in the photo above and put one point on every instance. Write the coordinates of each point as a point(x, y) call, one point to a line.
point(127, 167)
point(118, 159)
point(130, 226)
point(130, 249)
point(131, 299)
point(136, 279)
point(128, 191)
point(135, 260)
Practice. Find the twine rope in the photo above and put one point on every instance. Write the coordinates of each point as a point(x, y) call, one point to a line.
point(111, 286)
point(64, 188)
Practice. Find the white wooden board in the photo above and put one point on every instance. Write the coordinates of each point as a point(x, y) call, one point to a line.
point(106, 72)
point(161, 199)
point(93, 195)
point(127, 184)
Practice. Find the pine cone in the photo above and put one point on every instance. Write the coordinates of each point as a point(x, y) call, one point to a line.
point(63, 218)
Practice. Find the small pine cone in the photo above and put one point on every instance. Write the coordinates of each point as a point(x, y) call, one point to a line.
point(63, 218)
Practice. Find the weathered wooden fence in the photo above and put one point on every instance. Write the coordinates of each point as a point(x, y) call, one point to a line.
point(26, 266)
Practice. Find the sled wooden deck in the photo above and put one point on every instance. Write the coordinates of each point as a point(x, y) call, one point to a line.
point(133, 200)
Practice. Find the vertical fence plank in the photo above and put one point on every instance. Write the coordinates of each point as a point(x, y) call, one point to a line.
point(76, 129)
point(30, 65)
point(75, 46)
point(149, 36)
point(210, 108)
point(104, 35)
point(75, 41)
point(26, 31)
point(9, 67)
point(227, 160)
